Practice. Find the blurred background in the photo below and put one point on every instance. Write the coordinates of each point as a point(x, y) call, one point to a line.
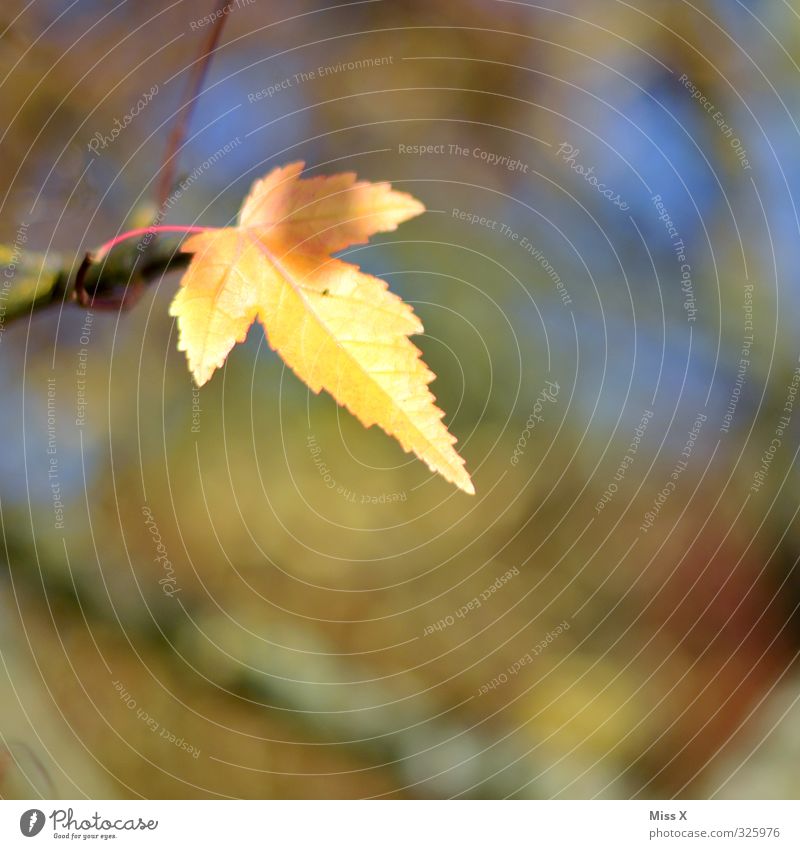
point(238, 591)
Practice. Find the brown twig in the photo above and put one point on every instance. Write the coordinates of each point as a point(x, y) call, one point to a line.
point(193, 86)
point(128, 299)
point(81, 295)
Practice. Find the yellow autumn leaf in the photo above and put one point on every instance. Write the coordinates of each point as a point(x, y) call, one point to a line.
point(337, 328)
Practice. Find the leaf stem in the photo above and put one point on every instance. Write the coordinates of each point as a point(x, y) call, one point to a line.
point(106, 248)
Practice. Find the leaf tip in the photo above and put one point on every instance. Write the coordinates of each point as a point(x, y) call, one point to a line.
point(467, 486)
point(201, 376)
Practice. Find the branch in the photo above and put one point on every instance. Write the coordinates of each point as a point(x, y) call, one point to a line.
point(194, 84)
point(32, 282)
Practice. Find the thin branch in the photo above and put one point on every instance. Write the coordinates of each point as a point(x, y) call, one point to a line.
point(118, 302)
point(193, 86)
point(37, 283)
